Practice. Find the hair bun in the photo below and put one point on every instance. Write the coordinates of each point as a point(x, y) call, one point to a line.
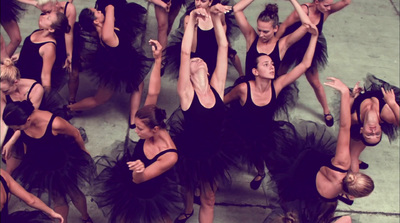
point(271, 9)
point(8, 62)
point(161, 115)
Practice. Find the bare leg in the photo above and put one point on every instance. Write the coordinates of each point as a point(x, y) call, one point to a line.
point(136, 96)
point(73, 83)
point(162, 21)
point(171, 17)
point(207, 198)
point(12, 164)
point(13, 32)
point(356, 148)
point(237, 64)
point(61, 207)
point(79, 201)
point(313, 79)
point(188, 202)
point(3, 51)
point(102, 95)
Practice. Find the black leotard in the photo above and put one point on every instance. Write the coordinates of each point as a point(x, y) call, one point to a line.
point(363, 96)
point(30, 62)
point(252, 54)
point(9, 100)
point(207, 48)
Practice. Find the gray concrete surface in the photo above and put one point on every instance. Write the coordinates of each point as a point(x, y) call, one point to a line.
point(363, 38)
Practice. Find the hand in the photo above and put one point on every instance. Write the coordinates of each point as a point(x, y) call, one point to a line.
point(56, 215)
point(312, 29)
point(388, 96)
point(356, 90)
point(15, 57)
point(6, 153)
point(156, 48)
point(168, 6)
point(337, 84)
point(199, 13)
point(136, 166)
point(219, 8)
point(68, 65)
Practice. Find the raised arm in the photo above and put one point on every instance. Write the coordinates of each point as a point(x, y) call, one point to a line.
point(390, 99)
point(339, 5)
point(29, 198)
point(69, 37)
point(292, 38)
point(108, 35)
point(247, 30)
point(155, 77)
point(36, 95)
point(184, 86)
point(48, 53)
point(219, 77)
point(342, 157)
point(301, 68)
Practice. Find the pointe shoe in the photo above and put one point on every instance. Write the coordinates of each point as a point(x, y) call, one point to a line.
point(328, 122)
point(255, 184)
point(186, 217)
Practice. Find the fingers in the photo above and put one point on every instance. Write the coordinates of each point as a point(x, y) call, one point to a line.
point(155, 45)
point(136, 166)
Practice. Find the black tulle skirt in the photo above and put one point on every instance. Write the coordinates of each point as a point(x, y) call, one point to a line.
point(204, 162)
point(122, 200)
point(57, 171)
point(10, 10)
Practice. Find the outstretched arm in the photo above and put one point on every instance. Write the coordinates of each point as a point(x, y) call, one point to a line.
point(339, 5)
point(184, 86)
point(155, 78)
point(48, 53)
point(29, 198)
point(247, 30)
point(219, 77)
point(292, 38)
point(301, 68)
point(342, 156)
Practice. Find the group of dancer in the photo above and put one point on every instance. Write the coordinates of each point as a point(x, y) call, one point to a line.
point(214, 131)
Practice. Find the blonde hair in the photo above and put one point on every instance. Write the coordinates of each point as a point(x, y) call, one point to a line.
point(9, 72)
point(358, 184)
point(42, 2)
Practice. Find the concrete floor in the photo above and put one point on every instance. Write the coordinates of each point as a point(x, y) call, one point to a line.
point(363, 38)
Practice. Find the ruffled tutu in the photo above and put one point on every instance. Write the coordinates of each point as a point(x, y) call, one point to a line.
point(124, 201)
point(124, 66)
point(173, 51)
point(53, 102)
point(10, 10)
point(305, 149)
point(208, 161)
point(294, 55)
point(55, 171)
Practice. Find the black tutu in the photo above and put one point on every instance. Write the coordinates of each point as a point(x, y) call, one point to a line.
point(85, 48)
point(122, 200)
point(289, 165)
point(28, 217)
point(53, 102)
point(10, 10)
point(204, 162)
point(124, 66)
point(294, 55)
point(55, 171)
point(173, 51)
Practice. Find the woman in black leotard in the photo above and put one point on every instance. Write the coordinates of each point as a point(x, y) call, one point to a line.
point(315, 174)
point(119, 64)
point(318, 11)
point(266, 41)
point(10, 186)
point(374, 111)
point(203, 111)
point(15, 88)
point(258, 104)
point(56, 160)
point(38, 52)
point(64, 49)
point(135, 187)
